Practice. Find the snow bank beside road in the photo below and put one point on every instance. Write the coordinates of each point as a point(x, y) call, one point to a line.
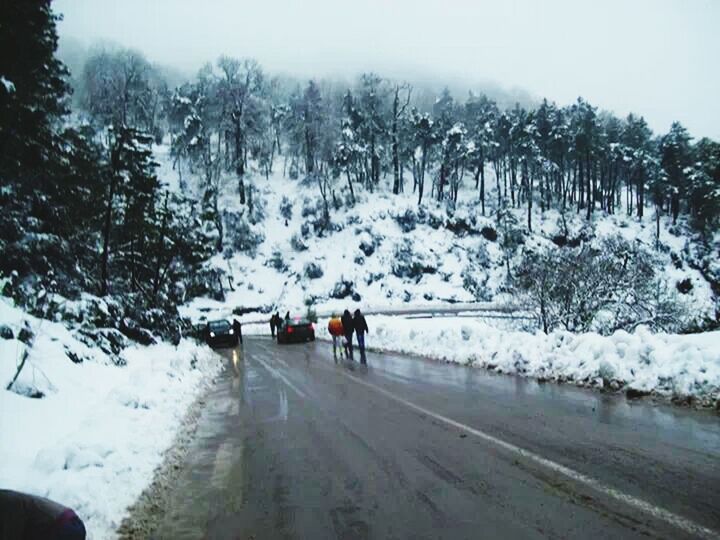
point(677, 366)
point(94, 439)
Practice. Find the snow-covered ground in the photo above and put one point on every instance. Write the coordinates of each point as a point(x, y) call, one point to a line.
point(94, 439)
point(676, 366)
point(362, 259)
point(366, 256)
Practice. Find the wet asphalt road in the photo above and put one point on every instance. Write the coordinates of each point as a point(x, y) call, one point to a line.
point(292, 445)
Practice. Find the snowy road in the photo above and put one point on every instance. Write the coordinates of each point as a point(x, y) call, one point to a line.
point(292, 445)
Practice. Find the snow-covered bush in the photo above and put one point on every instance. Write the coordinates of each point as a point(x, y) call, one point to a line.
point(480, 256)
point(277, 262)
point(462, 225)
point(286, 207)
point(313, 270)
point(297, 243)
point(489, 233)
point(475, 282)
point(409, 264)
point(603, 288)
point(367, 246)
point(240, 234)
point(309, 207)
point(342, 289)
point(407, 220)
point(257, 206)
point(207, 281)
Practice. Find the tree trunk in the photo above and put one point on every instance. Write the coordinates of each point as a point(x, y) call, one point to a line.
point(105, 257)
point(395, 152)
point(513, 178)
point(352, 191)
point(421, 182)
point(160, 248)
point(675, 207)
point(496, 166)
point(590, 188)
point(106, 238)
point(528, 186)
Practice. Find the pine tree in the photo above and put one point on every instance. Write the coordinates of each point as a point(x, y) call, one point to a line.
point(704, 185)
point(675, 157)
point(33, 91)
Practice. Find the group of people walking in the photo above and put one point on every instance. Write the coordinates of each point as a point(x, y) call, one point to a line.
point(342, 329)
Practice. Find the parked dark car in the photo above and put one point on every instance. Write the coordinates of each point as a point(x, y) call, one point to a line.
point(220, 334)
point(296, 330)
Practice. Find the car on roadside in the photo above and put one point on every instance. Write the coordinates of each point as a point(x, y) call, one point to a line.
point(220, 334)
point(296, 330)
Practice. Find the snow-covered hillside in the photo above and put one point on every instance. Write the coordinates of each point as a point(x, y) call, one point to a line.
point(88, 428)
point(386, 251)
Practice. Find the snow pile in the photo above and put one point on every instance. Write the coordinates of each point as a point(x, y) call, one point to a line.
point(94, 439)
point(677, 366)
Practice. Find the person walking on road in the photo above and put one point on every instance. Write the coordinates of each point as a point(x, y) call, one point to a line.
point(278, 323)
point(361, 328)
point(335, 327)
point(348, 328)
point(237, 327)
point(272, 325)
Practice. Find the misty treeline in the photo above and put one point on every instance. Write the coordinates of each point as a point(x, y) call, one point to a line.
point(235, 122)
point(84, 209)
point(573, 157)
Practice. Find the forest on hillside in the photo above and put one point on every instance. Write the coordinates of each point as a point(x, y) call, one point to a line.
point(85, 210)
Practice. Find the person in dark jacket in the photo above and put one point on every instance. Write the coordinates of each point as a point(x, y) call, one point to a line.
point(361, 328)
point(237, 327)
point(348, 328)
point(278, 323)
point(273, 325)
point(28, 517)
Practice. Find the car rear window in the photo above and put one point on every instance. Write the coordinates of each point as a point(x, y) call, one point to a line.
point(219, 325)
point(300, 322)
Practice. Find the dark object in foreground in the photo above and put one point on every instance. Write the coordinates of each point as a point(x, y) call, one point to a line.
point(221, 334)
point(296, 330)
point(28, 517)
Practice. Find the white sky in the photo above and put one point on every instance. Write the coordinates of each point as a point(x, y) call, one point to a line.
point(658, 58)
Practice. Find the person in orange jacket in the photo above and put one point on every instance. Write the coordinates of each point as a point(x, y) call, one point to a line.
point(335, 327)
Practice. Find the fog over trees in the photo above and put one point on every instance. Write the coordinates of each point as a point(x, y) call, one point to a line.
point(85, 209)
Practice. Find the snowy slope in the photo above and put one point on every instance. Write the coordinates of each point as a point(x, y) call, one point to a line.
point(367, 252)
point(664, 364)
point(681, 367)
point(94, 439)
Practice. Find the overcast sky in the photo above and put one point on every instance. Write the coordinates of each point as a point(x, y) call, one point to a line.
point(658, 58)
